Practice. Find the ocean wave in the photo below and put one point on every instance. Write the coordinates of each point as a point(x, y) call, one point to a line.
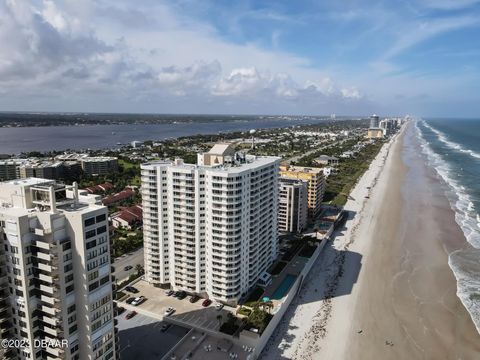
point(464, 263)
point(452, 145)
point(465, 213)
point(465, 267)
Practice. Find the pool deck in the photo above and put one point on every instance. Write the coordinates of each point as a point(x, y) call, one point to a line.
point(294, 267)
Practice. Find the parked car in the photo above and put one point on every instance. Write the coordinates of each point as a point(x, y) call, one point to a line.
point(138, 300)
point(169, 311)
point(180, 295)
point(206, 302)
point(130, 315)
point(130, 300)
point(194, 298)
point(128, 267)
point(131, 289)
point(165, 327)
point(169, 292)
point(218, 306)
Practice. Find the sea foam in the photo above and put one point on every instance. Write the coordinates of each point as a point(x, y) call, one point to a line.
point(461, 202)
point(464, 264)
point(451, 144)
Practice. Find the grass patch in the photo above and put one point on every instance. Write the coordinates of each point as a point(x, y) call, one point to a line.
point(127, 165)
point(244, 311)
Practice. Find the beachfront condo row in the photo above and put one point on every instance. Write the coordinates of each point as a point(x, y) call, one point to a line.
point(315, 185)
point(55, 280)
point(210, 228)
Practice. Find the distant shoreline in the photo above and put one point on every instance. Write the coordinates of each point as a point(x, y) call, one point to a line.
point(20, 119)
point(15, 140)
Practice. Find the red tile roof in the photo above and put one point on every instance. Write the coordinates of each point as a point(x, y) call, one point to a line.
point(122, 195)
point(131, 214)
point(99, 188)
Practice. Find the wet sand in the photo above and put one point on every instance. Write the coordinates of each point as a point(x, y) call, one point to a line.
point(382, 289)
point(407, 306)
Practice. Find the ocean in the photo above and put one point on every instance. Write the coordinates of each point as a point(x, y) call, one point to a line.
point(452, 147)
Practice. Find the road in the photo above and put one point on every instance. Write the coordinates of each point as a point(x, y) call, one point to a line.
point(132, 259)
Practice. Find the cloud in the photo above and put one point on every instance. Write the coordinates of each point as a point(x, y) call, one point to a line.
point(251, 82)
point(190, 79)
point(61, 49)
point(351, 93)
point(413, 34)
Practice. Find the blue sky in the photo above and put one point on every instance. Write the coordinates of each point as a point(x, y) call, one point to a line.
point(270, 57)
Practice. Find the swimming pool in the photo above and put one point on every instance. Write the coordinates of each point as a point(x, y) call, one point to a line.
point(284, 286)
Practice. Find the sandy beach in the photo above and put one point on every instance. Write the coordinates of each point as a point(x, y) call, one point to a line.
point(383, 288)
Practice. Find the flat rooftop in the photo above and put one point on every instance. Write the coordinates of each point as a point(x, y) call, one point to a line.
point(198, 346)
point(142, 337)
point(301, 169)
point(27, 181)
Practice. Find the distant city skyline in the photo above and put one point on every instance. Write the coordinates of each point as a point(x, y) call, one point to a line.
point(218, 57)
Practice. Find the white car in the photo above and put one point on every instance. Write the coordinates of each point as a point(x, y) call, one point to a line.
point(169, 311)
point(218, 306)
point(138, 300)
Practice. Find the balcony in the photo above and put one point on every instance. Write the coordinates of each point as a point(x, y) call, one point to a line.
point(46, 278)
point(50, 289)
point(49, 310)
point(56, 332)
point(43, 245)
point(50, 300)
point(47, 268)
point(51, 321)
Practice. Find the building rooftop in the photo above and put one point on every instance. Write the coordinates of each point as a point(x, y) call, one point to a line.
point(222, 149)
point(326, 157)
point(311, 170)
point(28, 182)
point(251, 161)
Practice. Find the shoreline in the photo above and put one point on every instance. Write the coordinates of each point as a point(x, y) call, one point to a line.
point(463, 260)
point(413, 304)
point(306, 324)
point(399, 301)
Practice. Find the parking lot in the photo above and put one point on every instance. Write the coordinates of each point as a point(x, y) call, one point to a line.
point(141, 337)
point(189, 314)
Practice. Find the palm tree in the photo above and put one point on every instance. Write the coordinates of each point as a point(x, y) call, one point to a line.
point(139, 269)
point(268, 305)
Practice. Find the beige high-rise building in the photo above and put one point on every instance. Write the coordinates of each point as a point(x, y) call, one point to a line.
point(316, 185)
point(56, 272)
point(293, 205)
point(210, 229)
